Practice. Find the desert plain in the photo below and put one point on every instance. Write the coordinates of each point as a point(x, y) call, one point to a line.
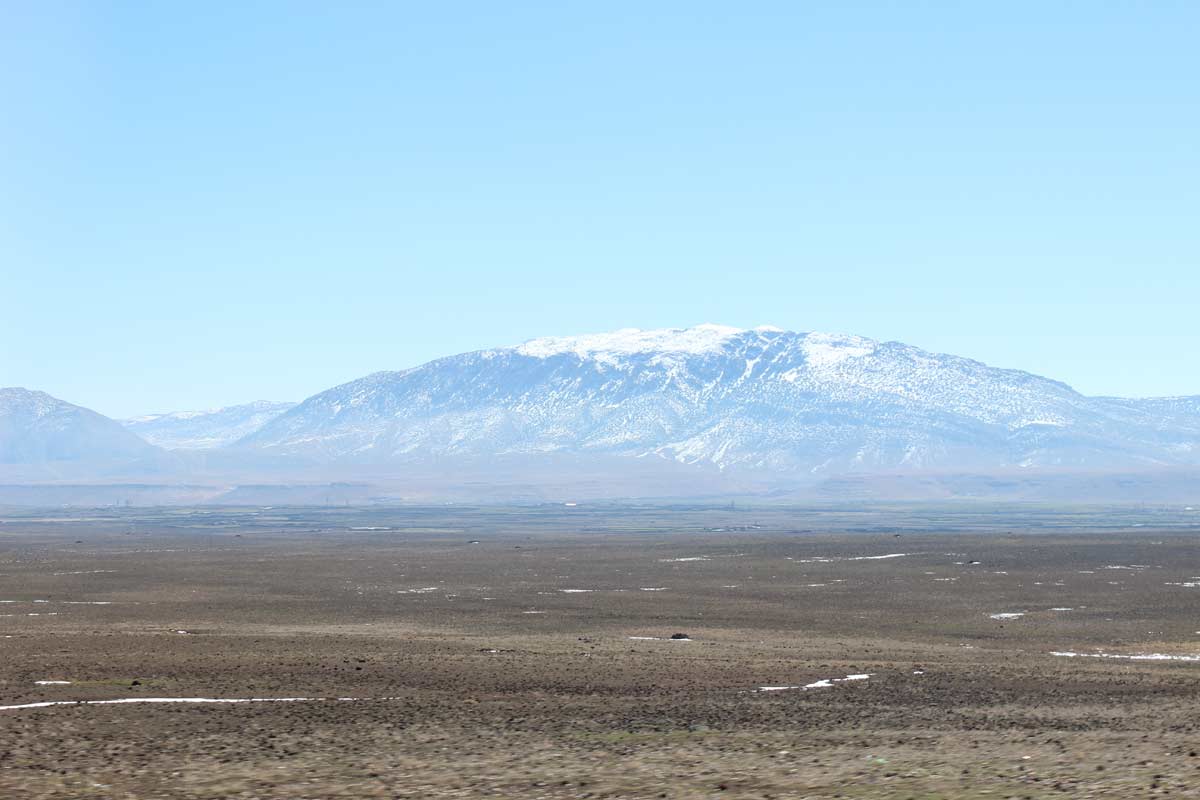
point(600, 651)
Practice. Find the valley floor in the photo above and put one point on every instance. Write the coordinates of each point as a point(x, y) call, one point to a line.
point(528, 653)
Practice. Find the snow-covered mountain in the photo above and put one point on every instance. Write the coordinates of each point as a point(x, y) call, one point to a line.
point(761, 400)
point(200, 430)
point(37, 429)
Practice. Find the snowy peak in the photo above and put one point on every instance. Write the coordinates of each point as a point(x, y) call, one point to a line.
point(819, 348)
point(698, 340)
point(705, 338)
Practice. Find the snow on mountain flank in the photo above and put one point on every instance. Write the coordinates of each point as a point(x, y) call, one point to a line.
point(824, 349)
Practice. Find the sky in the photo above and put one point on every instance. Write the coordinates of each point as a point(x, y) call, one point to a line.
point(210, 203)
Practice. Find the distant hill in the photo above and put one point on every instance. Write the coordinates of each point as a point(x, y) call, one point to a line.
point(37, 430)
point(202, 430)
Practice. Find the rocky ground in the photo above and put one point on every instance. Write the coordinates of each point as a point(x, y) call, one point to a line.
point(528, 653)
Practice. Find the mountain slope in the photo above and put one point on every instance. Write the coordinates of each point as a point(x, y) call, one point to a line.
point(199, 430)
point(37, 429)
point(756, 400)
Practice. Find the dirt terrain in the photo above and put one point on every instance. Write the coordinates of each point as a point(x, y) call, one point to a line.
point(885, 652)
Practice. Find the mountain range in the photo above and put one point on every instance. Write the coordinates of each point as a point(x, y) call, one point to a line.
point(758, 407)
point(203, 430)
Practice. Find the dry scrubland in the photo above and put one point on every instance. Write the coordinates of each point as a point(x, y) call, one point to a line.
point(526, 653)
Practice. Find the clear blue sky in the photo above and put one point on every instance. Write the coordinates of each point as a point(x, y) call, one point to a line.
point(209, 203)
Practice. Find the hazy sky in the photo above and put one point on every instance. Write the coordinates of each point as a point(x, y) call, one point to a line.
point(203, 204)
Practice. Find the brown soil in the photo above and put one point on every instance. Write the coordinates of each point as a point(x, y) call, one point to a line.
point(477, 673)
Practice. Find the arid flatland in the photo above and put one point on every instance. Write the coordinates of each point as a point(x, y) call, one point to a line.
point(892, 652)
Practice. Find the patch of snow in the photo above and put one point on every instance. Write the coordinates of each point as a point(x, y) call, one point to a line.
point(1134, 657)
point(824, 683)
point(832, 559)
point(158, 700)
